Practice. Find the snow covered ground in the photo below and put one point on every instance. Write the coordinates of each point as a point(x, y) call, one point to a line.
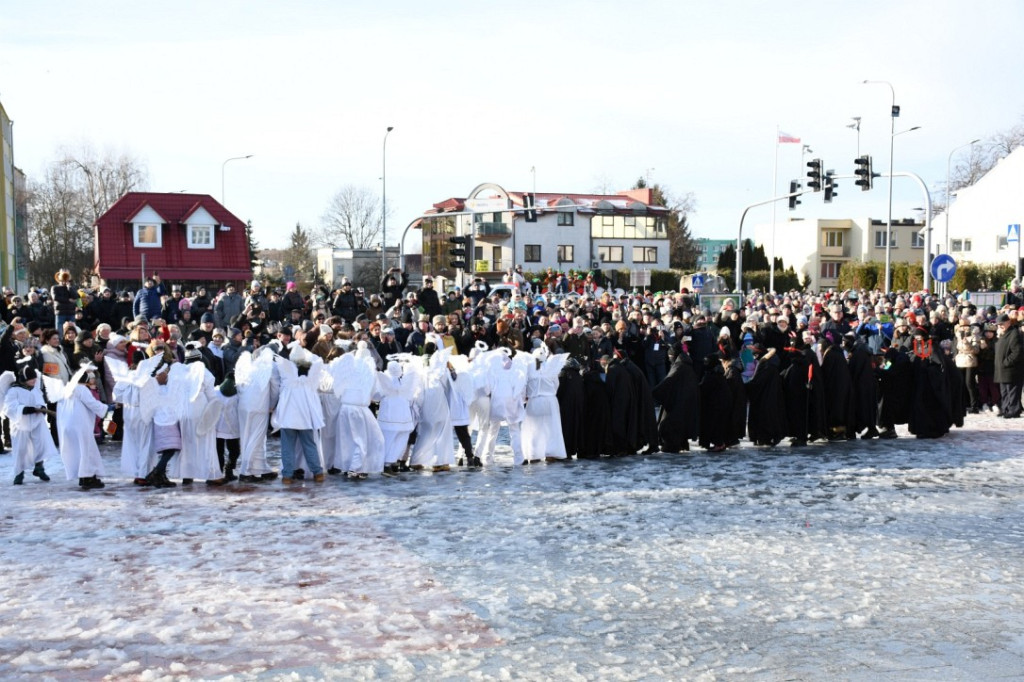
point(862, 560)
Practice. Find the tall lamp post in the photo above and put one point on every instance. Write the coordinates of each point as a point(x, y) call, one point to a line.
point(949, 163)
point(233, 158)
point(384, 206)
point(894, 111)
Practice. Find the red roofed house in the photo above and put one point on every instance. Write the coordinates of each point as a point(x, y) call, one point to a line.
point(187, 238)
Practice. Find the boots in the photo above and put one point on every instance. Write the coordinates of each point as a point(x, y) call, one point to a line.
point(229, 470)
point(158, 476)
point(39, 472)
point(91, 483)
point(20, 479)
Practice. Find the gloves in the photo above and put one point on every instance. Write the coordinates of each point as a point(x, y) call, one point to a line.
point(29, 410)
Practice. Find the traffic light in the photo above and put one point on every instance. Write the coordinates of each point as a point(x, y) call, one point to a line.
point(814, 175)
point(460, 252)
point(865, 177)
point(794, 201)
point(830, 186)
point(528, 204)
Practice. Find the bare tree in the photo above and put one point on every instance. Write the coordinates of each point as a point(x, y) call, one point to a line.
point(352, 219)
point(77, 188)
point(979, 160)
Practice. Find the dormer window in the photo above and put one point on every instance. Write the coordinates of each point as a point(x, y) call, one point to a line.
point(147, 235)
point(200, 236)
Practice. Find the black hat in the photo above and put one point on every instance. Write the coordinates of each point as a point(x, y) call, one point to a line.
point(206, 317)
point(1002, 319)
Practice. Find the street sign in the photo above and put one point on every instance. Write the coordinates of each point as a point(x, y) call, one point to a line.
point(1013, 233)
point(639, 278)
point(698, 281)
point(943, 267)
point(487, 204)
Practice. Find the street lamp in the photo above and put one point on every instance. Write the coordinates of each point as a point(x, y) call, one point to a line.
point(894, 111)
point(384, 206)
point(949, 162)
point(856, 126)
point(233, 158)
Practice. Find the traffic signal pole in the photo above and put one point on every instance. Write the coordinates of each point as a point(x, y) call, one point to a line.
point(926, 260)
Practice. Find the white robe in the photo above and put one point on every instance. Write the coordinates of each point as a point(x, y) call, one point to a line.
point(506, 386)
point(76, 420)
point(255, 400)
point(198, 456)
point(31, 441)
point(542, 425)
point(360, 442)
point(395, 414)
point(434, 426)
point(137, 452)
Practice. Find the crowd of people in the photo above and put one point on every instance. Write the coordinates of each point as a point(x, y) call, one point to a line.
point(358, 384)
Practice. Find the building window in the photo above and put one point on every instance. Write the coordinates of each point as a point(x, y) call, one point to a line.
point(880, 239)
point(607, 220)
point(630, 221)
point(963, 245)
point(916, 240)
point(565, 253)
point(200, 236)
point(531, 253)
point(1002, 243)
point(148, 236)
point(830, 270)
point(609, 254)
point(834, 238)
point(645, 254)
point(565, 219)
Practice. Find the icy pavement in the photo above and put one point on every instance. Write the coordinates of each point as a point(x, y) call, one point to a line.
point(862, 560)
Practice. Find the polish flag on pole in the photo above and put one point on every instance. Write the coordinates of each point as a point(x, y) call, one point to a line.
point(785, 138)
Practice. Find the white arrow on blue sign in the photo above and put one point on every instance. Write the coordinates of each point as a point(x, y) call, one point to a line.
point(1013, 232)
point(943, 267)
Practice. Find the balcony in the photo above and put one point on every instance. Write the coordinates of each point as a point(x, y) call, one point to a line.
point(491, 230)
point(835, 251)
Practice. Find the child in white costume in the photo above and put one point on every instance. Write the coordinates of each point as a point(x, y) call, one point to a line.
point(198, 456)
point(433, 445)
point(25, 407)
point(256, 397)
point(506, 385)
point(360, 442)
point(397, 390)
point(77, 411)
point(299, 414)
point(542, 426)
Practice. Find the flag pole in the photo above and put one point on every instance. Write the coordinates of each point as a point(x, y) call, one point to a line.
point(775, 185)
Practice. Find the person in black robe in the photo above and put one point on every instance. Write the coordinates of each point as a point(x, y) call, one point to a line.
point(895, 386)
point(836, 376)
point(930, 412)
point(865, 389)
point(595, 434)
point(646, 420)
point(622, 400)
point(715, 406)
point(732, 368)
point(957, 390)
point(766, 414)
point(571, 406)
point(679, 396)
point(804, 416)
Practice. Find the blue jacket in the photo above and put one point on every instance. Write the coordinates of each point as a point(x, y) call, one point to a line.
point(147, 302)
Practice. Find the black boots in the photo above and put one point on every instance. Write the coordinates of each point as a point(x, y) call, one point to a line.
point(158, 476)
point(91, 483)
point(39, 472)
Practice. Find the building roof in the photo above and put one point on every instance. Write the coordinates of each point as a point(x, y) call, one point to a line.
point(117, 258)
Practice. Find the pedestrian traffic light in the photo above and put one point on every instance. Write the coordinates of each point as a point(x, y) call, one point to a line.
point(815, 175)
point(865, 177)
point(830, 186)
point(528, 203)
point(794, 201)
point(460, 252)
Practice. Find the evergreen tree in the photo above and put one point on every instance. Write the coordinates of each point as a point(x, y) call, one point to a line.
point(299, 254)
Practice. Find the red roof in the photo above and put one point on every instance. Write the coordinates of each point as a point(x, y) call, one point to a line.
point(118, 258)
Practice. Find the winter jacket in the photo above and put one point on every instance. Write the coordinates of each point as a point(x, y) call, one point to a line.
point(147, 303)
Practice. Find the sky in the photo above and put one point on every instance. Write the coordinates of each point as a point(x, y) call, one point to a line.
point(592, 95)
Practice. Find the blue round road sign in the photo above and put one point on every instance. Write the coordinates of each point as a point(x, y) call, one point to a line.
point(943, 267)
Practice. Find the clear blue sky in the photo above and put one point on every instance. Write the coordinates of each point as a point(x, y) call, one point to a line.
point(590, 93)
